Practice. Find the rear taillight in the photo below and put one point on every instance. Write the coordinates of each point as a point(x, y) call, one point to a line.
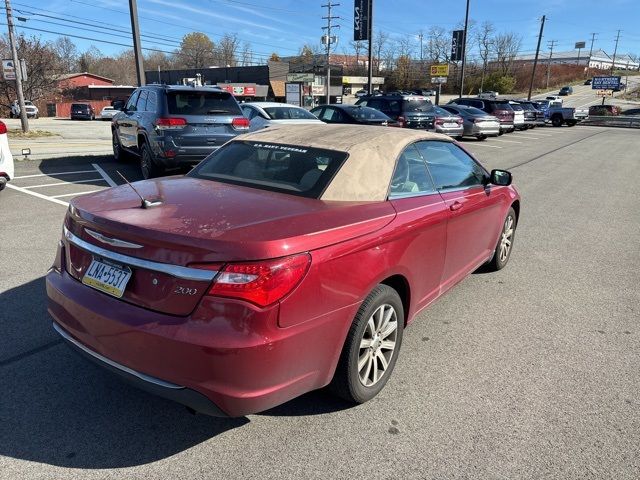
point(167, 123)
point(460, 121)
point(438, 121)
point(240, 123)
point(261, 283)
point(3, 128)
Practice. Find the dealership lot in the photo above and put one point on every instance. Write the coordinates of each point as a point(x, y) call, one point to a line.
point(527, 373)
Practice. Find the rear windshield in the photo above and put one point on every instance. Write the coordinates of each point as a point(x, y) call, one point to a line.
point(516, 107)
point(475, 112)
point(416, 105)
point(289, 113)
point(503, 106)
point(184, 102)
point(79, 106)
point(365, 113)
point(292, 169)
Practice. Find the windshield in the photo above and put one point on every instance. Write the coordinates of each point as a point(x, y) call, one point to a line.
point(366, 113)
point(517, 107)
point(292, 169)
point(289, 113)
point(416, 104)
point(186, 102)
point(441, 111)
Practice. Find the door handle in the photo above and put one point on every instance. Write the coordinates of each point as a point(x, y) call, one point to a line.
point(455, 206)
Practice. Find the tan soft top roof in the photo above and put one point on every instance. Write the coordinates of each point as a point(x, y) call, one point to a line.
point(372, 154)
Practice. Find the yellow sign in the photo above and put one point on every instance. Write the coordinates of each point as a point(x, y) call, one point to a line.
point(440, 70)
point(604, 93)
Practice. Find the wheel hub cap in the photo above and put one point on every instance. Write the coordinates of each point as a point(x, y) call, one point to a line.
point(377, 345)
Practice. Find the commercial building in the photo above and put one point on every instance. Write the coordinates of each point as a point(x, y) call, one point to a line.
point(598, 59)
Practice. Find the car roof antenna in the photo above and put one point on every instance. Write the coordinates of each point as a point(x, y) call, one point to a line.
point(144, 203)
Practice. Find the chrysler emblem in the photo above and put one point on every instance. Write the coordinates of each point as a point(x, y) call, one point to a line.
point(114, 242)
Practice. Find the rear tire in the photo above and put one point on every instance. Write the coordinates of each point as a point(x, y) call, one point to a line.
point(3, 183)
point(148, 166)
point(500, 132)
point(372, 346)
point(557, 121)
point(502, 253)
point(481, 137)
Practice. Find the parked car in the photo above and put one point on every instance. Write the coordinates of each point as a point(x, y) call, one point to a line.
point(362, 93)
point(587, 81)
point(604, 110)
point(498, 108)
point(410, 111)
point(288, 260)
point(6, 159)
point(557, 98)
point(533, 116)
point(631, 112)
point(82, 111)
point(519, 121)
point(427, 92)
point(342, 113)
point(477, 123)
point(489, 95)
point(564, 91)
point(265, 114)
point(108, 113)
point(169, 127)
point(559, 116)
point(447, 123)
point(30, 108)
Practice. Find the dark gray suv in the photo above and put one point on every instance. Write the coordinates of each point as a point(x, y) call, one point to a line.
point(410, 111)
point(168, 127)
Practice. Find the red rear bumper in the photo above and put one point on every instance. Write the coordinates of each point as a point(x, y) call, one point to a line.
point(229, 351)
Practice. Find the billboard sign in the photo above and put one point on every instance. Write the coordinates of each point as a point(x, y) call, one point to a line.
point(606, 83)
point(300, 77)
point(293, 94)
point(440, 70)
point(8, 70)
point(580, 45)
point(361, 19)
point(456, 45)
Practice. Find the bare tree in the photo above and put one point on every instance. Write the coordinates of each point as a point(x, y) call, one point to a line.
point(358, 47)
point(484, 39)
point(506, 47)
point(379, 44)
point(246, 55)
point(439, 45)
point(67, 54)
point(227, 50)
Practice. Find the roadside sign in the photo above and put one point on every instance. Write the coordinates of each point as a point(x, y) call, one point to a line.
point(580, 45)
point(605, 93)
point(456, 45)
point(440, 70)
point(300, 77)
point(439, 79)
point(361, 20)
point(8, 70)
point(293, 93)
point(606, 83)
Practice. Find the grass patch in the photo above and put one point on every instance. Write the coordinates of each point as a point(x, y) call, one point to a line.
point(18, 133)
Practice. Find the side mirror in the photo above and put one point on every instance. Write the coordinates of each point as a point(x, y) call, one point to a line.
point(501, 178)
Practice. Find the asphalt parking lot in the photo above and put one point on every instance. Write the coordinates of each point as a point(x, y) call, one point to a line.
point(531, 372)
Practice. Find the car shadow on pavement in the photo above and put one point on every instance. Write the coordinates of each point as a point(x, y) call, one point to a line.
point(58, 409)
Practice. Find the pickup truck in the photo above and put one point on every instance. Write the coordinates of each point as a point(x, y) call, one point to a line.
point(559, 115)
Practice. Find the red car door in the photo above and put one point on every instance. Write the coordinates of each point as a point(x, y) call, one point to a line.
point(475, 208)
point(420, 225)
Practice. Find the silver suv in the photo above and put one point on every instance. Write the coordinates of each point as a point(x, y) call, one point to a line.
point(169, 127)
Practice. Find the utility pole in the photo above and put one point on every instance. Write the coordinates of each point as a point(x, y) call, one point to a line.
point(370, 37)
point(328, 38)
point(420, 36)
point(615, 50)
point(464, 49)
point(135, 31)
point(593, 39)
point(551, 44)
point(535, 60)
point(24, 122)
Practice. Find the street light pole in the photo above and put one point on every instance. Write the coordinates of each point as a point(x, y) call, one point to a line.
point(535, 60)
point(464, 49)
point(137, 51)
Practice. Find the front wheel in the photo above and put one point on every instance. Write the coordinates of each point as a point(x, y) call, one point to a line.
point(557, 121)
point(502, 253)
point(371, 349)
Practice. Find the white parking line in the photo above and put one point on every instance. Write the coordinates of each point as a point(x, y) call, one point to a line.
point(104, 175)
point(55, 173)
point(76, 193)
point(67, 183)
point(537, 133)
point(480, 145)
point(505, 141)
point(38, 195)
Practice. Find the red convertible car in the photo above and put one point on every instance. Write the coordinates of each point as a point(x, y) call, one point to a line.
point(290, 259)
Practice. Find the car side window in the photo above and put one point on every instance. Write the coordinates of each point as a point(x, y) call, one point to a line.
point(152, 101)
point(376, 103)
point(450, 167)
point(131, 103)
point(248, 112)
point(141, 106)
point(410, 176)
point(331, 114)
point(394, 106)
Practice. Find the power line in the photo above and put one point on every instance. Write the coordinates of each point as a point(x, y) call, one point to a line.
point(551, 44)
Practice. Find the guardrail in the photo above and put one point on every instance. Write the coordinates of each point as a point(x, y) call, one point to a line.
point(627, 121)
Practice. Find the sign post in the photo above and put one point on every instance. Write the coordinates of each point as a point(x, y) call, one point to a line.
point(580, 46)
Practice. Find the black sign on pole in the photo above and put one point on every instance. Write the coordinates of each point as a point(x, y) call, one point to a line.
point(456, 45)
point(361, 20)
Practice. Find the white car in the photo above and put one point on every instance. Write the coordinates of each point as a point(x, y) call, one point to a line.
point(6, 159)
point(489, 95)
point(265, 114)
point(108, 113)
point(32, 110)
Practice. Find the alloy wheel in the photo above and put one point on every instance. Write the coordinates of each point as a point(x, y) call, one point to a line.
point(377, 345)
point(506, 238)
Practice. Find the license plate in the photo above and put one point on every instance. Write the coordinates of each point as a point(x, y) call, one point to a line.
point(107, 277)
point(450, 125)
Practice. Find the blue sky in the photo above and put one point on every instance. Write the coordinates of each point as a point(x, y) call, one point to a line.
point(284, 25)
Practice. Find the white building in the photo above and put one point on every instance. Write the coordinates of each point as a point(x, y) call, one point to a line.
point(599, 59)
